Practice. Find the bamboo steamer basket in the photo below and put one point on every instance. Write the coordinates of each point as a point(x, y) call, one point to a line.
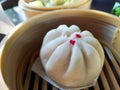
point(18, 49)
point(30, 11)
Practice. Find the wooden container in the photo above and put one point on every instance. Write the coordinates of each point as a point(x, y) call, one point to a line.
point(30, 11)
point(19, 47)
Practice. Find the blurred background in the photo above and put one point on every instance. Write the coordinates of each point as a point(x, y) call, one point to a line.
point(11, 9)
point(104, 5)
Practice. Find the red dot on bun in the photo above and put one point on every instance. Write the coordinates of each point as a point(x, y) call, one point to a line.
point(78, 36)
point(72, 41)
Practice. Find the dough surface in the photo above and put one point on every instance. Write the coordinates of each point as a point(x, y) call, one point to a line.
point(71, 57)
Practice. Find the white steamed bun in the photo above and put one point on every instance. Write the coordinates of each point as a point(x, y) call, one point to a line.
point(71, 57)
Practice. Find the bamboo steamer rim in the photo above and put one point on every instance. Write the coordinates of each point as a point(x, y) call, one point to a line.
point(74, 5)
point(103, 16)
point(91, 13)
point(3, 82)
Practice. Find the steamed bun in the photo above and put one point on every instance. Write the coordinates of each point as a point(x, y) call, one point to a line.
point(71, 57)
